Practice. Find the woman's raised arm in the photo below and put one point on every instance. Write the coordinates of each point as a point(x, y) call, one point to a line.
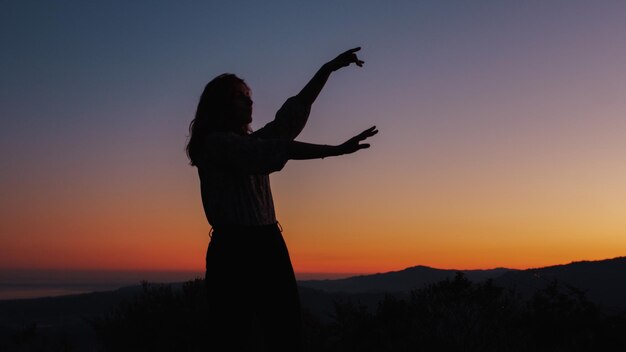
point(293, 115)
point(309, 93)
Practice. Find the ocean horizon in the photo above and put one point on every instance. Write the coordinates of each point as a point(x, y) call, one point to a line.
point(36, 283)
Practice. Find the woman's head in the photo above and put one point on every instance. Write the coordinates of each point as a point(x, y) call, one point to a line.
point(225, 105)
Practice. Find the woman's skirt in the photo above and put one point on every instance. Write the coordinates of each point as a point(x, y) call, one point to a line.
point(252, 290)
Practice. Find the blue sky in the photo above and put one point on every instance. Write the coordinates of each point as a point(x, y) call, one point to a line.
point(496, 117)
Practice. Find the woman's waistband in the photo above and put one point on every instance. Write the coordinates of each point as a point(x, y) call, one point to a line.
point(243, 229)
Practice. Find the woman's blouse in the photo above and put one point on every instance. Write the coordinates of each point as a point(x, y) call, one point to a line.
point(234, 169)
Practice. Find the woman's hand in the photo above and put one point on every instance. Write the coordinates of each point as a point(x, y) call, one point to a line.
point(353, 144)
point(344, 59)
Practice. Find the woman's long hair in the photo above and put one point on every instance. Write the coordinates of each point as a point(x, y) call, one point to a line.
point(212, 112)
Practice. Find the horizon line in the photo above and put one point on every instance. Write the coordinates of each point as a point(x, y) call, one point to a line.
point(169, 270)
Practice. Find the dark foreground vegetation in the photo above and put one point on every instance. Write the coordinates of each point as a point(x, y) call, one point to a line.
point(452, 315)
point(458, 315)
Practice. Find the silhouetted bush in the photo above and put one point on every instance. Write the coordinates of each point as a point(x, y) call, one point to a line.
point(452, 315)
point(157, 319)
point(30, 338)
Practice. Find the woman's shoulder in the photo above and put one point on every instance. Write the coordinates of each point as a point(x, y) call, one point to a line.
point(221, 137)
point(220, 134)
point(218, 143)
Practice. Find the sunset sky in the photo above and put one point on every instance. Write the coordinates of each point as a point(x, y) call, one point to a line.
point(502, 130)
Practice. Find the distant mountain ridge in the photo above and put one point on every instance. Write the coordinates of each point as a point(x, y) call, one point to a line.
point(604, 281)
point(398, 281)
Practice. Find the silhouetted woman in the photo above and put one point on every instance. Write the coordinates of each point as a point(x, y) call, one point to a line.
point(252, 292)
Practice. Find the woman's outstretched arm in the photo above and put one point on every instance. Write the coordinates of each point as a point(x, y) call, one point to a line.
point(303, 151)
point(309, 93)
point(293, 115)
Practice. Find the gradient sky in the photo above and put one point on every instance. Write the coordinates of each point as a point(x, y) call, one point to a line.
point(502, 130)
